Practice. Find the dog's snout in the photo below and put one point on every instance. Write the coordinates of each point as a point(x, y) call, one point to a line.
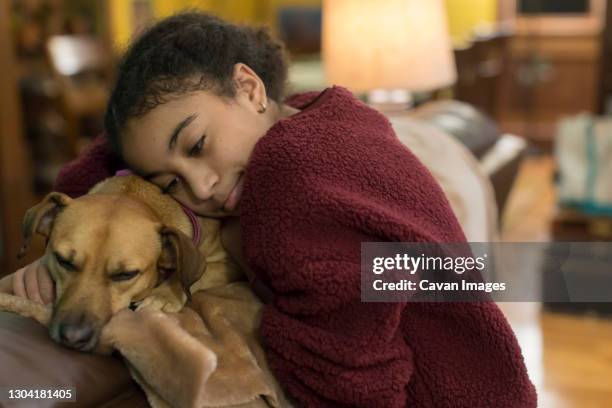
point(77, 336)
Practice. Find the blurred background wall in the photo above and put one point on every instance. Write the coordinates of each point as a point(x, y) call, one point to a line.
point(463, 19)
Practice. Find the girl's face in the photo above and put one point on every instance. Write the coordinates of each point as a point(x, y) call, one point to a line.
point(196, 147)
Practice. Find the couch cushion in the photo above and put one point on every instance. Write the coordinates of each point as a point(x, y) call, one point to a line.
point(29, 358)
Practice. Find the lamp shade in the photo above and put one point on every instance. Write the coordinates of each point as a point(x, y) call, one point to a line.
point(387, 44)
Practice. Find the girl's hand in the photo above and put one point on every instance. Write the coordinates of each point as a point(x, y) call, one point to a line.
point(34, 282)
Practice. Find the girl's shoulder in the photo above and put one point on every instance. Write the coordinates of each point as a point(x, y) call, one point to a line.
point(330, 117)
point(334, 133)
point(330, 102)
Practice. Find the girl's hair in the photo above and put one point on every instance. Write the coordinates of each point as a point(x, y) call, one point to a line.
point(189, 52)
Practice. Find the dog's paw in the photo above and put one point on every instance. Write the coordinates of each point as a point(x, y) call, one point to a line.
point(161, 303)
point(114, 330)
point(105, 344)
point(128, 327)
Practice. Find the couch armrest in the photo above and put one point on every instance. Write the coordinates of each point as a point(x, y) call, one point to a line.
point(499, 154)
point(507, 148)
point(501, 162)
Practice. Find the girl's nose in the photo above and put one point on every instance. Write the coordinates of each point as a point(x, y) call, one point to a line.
point(203, 184)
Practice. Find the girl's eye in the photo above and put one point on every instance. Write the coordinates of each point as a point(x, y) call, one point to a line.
point(170, 187)
point(197, 148)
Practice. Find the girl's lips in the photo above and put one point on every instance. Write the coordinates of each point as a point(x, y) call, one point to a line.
point(234, 196)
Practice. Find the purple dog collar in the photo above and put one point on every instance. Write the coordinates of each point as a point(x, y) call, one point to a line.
point(124, 172)
point(195, 225)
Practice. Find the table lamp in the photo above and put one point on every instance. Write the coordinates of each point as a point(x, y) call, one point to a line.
point(387, 48)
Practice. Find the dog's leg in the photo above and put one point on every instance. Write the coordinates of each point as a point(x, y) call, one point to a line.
point(155, 343)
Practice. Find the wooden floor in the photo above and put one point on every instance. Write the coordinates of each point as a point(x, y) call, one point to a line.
point(569, 357)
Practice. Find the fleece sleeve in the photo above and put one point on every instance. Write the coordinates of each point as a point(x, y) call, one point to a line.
point(95, 164)
point(326, 347)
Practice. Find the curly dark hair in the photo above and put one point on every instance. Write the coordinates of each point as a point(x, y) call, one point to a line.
point(188, 52)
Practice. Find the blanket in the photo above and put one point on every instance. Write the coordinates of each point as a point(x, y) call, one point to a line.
point(318, 184)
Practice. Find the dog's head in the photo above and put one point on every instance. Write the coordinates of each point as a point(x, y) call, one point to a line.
point(105, 252)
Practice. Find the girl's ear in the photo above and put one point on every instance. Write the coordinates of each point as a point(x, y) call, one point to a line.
point(249, 85)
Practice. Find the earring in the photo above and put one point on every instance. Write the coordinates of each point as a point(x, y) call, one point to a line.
point(262, 107)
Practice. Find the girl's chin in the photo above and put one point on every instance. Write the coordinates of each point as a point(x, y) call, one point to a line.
point(219, 213)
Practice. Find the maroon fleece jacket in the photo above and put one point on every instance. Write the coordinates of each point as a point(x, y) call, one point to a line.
point(318, 184)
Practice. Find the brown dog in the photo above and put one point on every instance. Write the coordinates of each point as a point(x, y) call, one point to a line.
point(126, 244)
point(122, 244)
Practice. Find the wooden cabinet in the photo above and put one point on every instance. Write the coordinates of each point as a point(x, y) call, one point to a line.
point(548, 77)
point(553, 68)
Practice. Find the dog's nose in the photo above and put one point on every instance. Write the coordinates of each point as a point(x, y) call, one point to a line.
point(76, 336)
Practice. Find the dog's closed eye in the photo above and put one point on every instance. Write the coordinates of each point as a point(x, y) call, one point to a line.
point(64, 263)
point(124, 276)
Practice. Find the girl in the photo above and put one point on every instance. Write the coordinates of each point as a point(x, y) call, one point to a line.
point(198, 110)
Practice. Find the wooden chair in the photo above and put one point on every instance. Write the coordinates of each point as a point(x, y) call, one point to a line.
point(82, 67)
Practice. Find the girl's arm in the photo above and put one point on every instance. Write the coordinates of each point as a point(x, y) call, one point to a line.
point(92, 166)
point(230, 238)
point(313, 194)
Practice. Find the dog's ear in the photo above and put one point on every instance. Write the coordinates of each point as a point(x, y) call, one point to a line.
point(180, 255)
point(40, 218)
